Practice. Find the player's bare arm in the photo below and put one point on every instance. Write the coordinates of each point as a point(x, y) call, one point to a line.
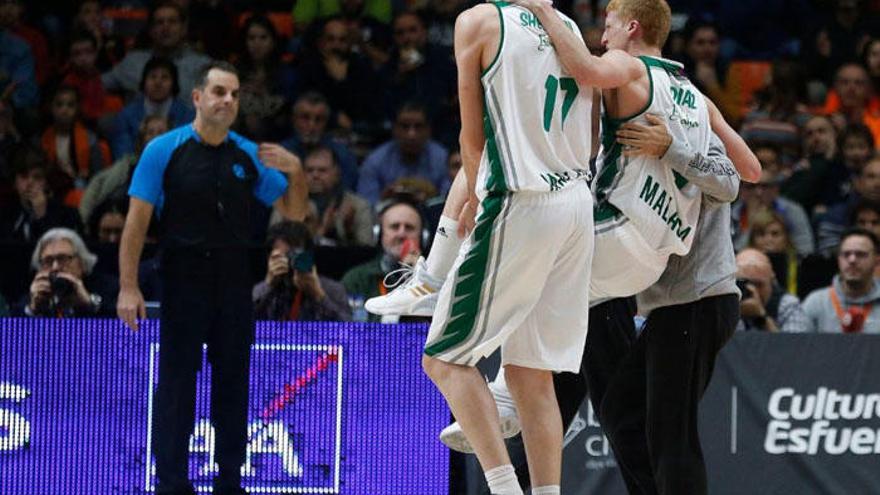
point(477, 33)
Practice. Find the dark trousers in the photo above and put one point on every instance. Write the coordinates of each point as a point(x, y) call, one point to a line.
point(206, 299)
point(650, 407)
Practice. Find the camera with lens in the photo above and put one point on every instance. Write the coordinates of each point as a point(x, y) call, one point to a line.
point(301, 260)
point(61, 287)
point(743, 285)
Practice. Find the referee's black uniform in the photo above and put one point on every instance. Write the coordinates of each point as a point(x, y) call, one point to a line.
point(204, 196)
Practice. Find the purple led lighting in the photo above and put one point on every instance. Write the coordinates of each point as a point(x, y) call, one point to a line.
point(74, 397)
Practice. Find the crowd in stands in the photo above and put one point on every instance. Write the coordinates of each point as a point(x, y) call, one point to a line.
point(364, 92)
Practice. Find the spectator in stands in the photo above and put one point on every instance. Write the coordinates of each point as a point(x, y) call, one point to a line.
point(81, 72)
point(368, 34)
point(266, 81)
point(411, 153)
point(770, 236)
point(400, 237)
point(853, 88)
point(72, 147)
point(871, 62)
point(852, 303)
point(832, 223)
point(764, 196)
point(212, 26)
point(36, 210)
point(419, 71)
point(293, 290)
point(345, 77)
point(309, 118)
point(835, 42)
point(765, 306)
point(866, 215)
point(306, 11)
point(781, 112)
point(113, 182)
point(809, 178)
point(106, 223)
point(167, 33)
point(346, 219)
point(88, 18)
point(706, 68)
point(12, 19)
point(159, 96)
point(441, 15)
point(62, 286)
point(17, 77)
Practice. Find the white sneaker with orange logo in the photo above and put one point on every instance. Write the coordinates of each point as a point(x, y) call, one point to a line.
point(414, 294)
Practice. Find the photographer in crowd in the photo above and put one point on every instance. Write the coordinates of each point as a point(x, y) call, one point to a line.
point(765, 306)
point(293, 290)
point(63, 286)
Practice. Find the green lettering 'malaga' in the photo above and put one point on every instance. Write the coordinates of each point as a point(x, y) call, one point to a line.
point(660, 204)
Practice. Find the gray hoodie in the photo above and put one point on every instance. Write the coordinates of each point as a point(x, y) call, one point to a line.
point(823, 317)
point(709, 269)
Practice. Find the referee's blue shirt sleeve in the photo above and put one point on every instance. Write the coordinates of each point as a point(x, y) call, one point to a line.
point(271, 184)
point(146, 183)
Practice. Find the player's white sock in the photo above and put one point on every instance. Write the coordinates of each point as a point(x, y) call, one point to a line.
point(444, 249)
point(502, 481)
point(546, 490)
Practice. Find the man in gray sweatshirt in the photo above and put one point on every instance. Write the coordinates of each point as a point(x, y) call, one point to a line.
point(852, 303)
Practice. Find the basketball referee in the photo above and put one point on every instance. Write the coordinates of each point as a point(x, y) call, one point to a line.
point(204, 182)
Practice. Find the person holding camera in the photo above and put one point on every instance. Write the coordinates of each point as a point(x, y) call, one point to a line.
point(293, 290)
point(63, 286)
point(765, 306)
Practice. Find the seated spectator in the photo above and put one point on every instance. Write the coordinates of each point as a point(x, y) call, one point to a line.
point(808, 181)
point(764, 305)
point(159, 96)
point(769, 235)
point(72, 147)
point(832, 223)
point(764, 196)
point(852, 303)
point(706, 68)
point(368, 34)
point(309, 118)
point(113, 182)
point(419, 71)
point(266, 81)
point(852, 84)
point(89, 18)
point(167, 33)
point(866, 215)
point(856, 145)
point(12, 18)
point(63, 286)
point(344, 77)
point(410, 153)
point(871, 62)
point(293, 290)
point(400, 238)
point(346, 219)
point(106, 222)
point(81, 72)
point(17, 77)
point(36, 210)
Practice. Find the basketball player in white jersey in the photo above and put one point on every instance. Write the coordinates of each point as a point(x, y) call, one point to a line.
point(521, 278)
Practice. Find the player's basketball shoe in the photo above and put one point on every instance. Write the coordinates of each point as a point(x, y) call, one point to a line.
point(454, 438)
point(415, 293)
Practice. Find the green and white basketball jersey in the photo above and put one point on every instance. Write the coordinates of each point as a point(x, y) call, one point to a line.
point(660, 202)
point(536, 119)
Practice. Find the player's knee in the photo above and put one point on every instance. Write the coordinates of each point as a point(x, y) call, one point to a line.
point(536, 384)
point(435, 369)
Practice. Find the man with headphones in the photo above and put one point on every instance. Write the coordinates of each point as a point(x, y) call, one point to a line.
point(401, 235)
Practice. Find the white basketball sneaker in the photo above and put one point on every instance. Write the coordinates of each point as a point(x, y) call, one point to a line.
point(415, 293)
point(454, 438)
